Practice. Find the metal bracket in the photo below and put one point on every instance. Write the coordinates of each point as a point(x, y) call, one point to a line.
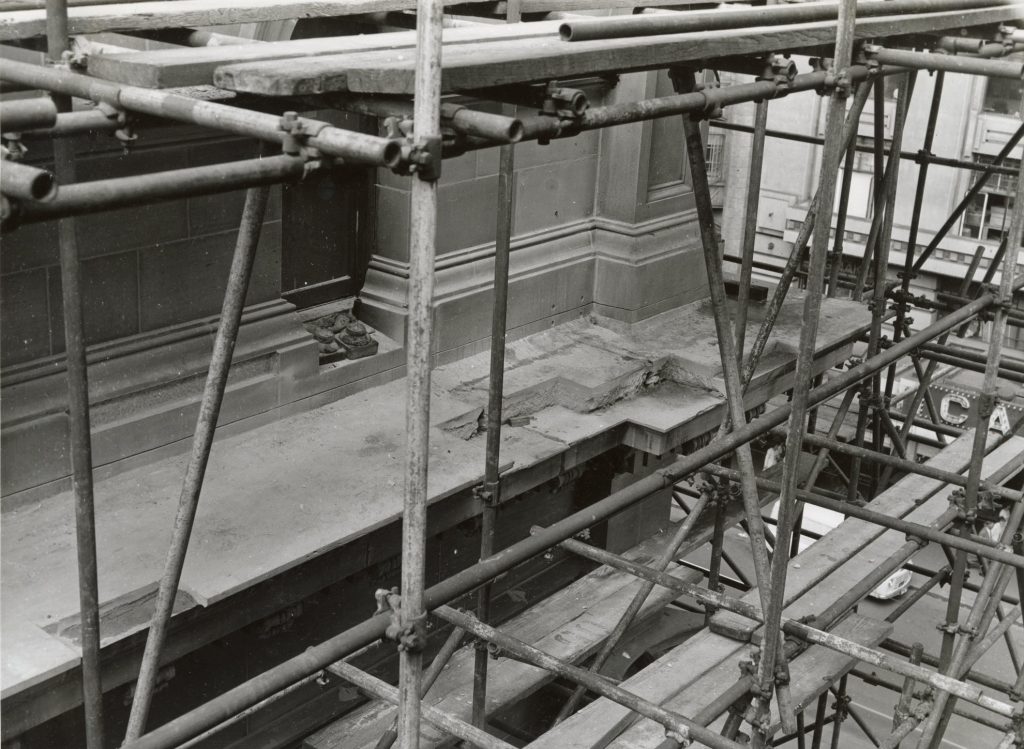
point(411, 637)
point(487, 492)
point(425, 158)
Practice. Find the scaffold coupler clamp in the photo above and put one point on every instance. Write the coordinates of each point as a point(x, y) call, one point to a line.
point(487, 492)
point(298, 131)
point(411, 637)
point(124, 132)
point(681, 737)
point(958, 499)
point(781, 70)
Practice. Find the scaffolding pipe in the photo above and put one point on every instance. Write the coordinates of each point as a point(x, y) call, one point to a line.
point(209, 410)
point(678, 727)
point(801, 402)
point(670, 23)
point(447, 723)
point(982, 180)
point(497, 128)
point(27, 114)
point(353, 147)
point(795, 628)
point(419, 356)
point(315, 658)
point(981, 613)
point(750, 223)
point(79, 432)
point(916, 157)
point(973, 544)
point(614, 638)
point(684, 81)
point(145, 189)
point(915, 223)
point(921, 469)
point(972, 355)
point(971, 366)
point(70, 124)
point(945, 63)
point(490, 494)
point(437, 666)
point(22, 182)
point(799, 245)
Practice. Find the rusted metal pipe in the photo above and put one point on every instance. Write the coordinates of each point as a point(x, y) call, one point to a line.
point(345, 643)
point(384, 691)
point(795, 628)
point(750, 223)
point(975, 188)
point(22, 182)
point(103, 195)
point(356, 148)
point(916, 157)
point(653, 25)
point(419, 361)
point(209, 410)
point(494, 127)
point(27, 114)
point(69, 124)
point(437, 666)
point(79, 432)
point(902, 464)
point(614, 638)
point(946, 63)
point(681, 728)
point(684, 82)
point(834, 147)
point(490, 494)
point(973, 544)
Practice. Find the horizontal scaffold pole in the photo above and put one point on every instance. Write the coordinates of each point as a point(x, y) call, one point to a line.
point(318, 657)
point(902, 464)
point(122, 192)
point(972, 544)
point(815, 636)
point(945, 62)
point(577, 30)
point(351, 146)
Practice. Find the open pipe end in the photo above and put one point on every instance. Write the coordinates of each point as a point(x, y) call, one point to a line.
point(391, 154)
point(516, 131)
point(565, 32)
point(44, 186)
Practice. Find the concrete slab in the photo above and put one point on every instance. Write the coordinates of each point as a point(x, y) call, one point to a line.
point(297, 488)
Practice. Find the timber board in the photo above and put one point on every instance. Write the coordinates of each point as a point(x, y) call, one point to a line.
point(841, 543)
point(806, 675)
point(476, 66)
point(163, 14)
point(574, 616)
point(833, 587)
point(192, 66)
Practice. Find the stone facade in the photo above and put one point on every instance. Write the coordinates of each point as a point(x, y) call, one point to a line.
point(603, 223)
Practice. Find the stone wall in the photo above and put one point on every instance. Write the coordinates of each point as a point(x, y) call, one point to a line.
point(603, 222)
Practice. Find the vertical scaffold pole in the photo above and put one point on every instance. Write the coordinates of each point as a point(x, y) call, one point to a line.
point(491, 493)
point(79, 432)
point(206, 424)
point(419, 327)
point(833, 151)
point(934, 727)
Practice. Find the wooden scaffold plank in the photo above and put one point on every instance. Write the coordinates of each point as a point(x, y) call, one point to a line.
point(497, 63)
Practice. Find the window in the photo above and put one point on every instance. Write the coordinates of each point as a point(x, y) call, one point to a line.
point(988, 214)
point(714, 152)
